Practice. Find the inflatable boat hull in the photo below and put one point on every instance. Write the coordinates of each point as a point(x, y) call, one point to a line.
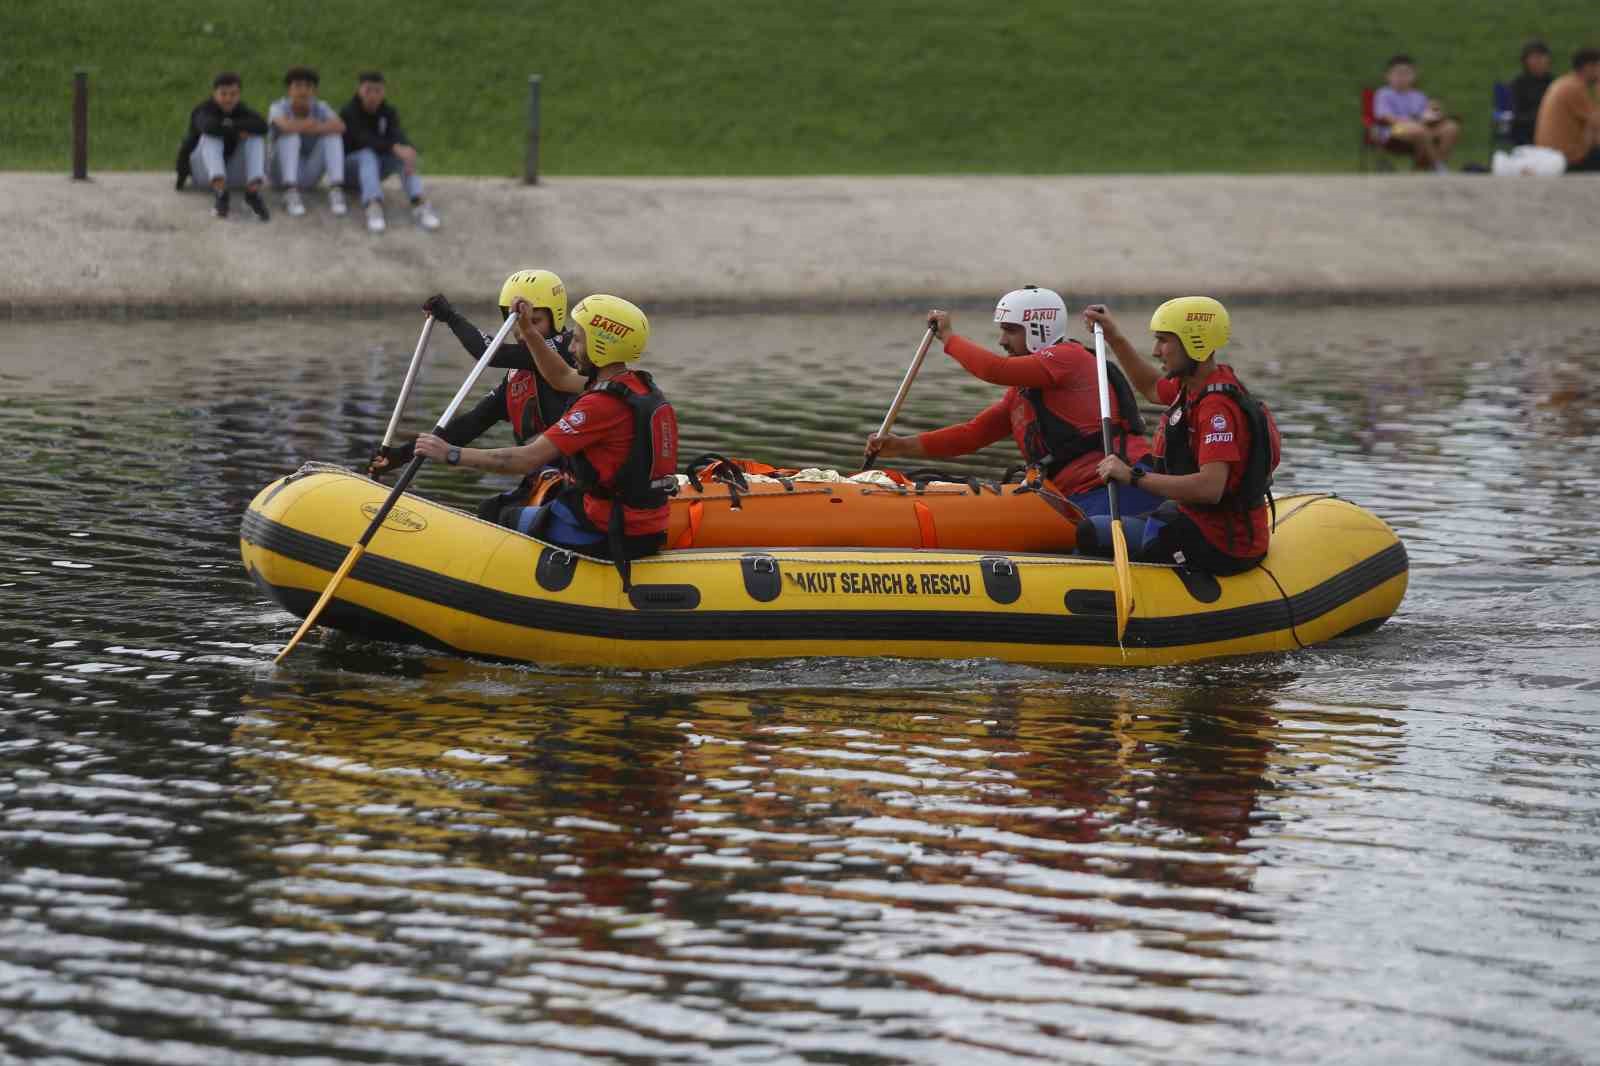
point(436, 576)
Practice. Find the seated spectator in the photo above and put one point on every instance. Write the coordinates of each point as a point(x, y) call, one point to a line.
point(1405, 116)
point(1569, 119)
point(307, 141)
point(375, 147)
point(1527, 90)
point(224, 147)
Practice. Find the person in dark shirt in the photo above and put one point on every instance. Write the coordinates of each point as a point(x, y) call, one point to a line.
point(1527, 91)
point(225, 147)
point(376, 146)
point(541, 383)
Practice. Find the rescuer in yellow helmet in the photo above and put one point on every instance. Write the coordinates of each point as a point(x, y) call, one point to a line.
point(620, 438)
point(1216, 447)
point(541, 379)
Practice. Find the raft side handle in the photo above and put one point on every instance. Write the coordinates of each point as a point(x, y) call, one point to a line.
point(762, 580)
point(555, 568)
point(1000, 578)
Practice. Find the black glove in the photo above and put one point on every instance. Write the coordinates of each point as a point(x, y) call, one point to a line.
point(439, 307)
point(386, 460)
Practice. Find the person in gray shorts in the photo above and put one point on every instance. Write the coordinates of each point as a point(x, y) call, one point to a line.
point(225, 147)
point(307, 141)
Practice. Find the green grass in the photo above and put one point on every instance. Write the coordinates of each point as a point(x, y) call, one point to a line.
point(697, 87)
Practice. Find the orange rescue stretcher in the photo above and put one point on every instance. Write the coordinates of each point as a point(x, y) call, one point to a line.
point(722, 507)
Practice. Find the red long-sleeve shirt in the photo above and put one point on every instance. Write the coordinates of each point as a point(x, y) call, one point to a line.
point(1066, 374)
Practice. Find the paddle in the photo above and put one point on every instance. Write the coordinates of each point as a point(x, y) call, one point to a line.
point(410, 472)
point(1119, 539)
point(900, 396)
point(411, 379)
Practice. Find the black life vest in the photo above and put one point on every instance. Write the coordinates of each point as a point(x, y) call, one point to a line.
point(1255, 486)
point(533, 405)
point(647, 478)
point(1051, 442)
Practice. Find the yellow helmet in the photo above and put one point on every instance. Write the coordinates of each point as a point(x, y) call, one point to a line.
point(615, 331)
point(1200, 322)
point(540, 288)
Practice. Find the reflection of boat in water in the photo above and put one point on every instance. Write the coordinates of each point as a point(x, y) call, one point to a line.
point(437, 576)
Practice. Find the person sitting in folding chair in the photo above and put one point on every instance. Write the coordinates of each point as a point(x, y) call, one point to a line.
point(1406, 116)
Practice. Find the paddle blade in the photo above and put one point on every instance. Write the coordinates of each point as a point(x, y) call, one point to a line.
point(1119, 553)
point(327, 594)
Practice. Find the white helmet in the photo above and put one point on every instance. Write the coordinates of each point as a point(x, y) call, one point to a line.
point(1041, 312)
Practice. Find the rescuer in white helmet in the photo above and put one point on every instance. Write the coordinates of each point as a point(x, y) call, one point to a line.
point(1051, 406)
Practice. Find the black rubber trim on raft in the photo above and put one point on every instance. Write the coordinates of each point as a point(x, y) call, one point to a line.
point(1091, 601)
point(348, 617)
point(664, 597)
point(1203, 587)
point(1094, 630)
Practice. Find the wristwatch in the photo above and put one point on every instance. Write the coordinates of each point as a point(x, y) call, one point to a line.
point(1135, 473)
point(453, 456)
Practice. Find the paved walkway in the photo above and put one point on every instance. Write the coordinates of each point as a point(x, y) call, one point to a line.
point(129, 241)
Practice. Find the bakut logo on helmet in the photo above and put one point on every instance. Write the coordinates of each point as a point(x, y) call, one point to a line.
point(610, 325)
point(1039, 314)
point(1200, 316)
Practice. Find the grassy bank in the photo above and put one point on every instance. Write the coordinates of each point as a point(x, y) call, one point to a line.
point(765, 87)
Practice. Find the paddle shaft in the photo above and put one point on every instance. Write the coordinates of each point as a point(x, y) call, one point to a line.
point(411, 379)
point(1119, 540)
point(410, 472)
point(444, 420)
point(900, 395)
point(1105, 412)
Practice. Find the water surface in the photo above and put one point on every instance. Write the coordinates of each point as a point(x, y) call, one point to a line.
point(1379, 850)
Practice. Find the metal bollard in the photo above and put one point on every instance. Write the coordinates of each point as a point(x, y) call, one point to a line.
point(530, 162)
point(80, 125)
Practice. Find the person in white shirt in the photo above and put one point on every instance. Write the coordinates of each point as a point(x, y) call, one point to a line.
point(307, 142)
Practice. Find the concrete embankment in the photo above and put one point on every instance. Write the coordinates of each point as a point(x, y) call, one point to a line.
point(128, 242)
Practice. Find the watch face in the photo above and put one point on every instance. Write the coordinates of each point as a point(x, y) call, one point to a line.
point(453, 456)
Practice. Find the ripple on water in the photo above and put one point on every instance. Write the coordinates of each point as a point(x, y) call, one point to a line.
point(1383, 844)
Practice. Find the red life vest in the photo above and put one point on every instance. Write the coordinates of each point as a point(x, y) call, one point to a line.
point(1178, 445)
point(1050, 437)
point(532, 406)
point(646, 478)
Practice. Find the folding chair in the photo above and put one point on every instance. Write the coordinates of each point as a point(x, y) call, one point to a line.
point(1375, 154)
point(1500, 118)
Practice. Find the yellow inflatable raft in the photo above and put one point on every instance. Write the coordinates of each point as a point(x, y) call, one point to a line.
point(436, 576)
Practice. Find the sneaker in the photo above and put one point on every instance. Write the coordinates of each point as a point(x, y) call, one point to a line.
point(219, 206)
point(423, 215)
point(336, 201)
point(252, 199)
point(294, 203)
point(375, 222)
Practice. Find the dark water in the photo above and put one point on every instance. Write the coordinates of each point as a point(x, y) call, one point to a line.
point(1380, 850)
